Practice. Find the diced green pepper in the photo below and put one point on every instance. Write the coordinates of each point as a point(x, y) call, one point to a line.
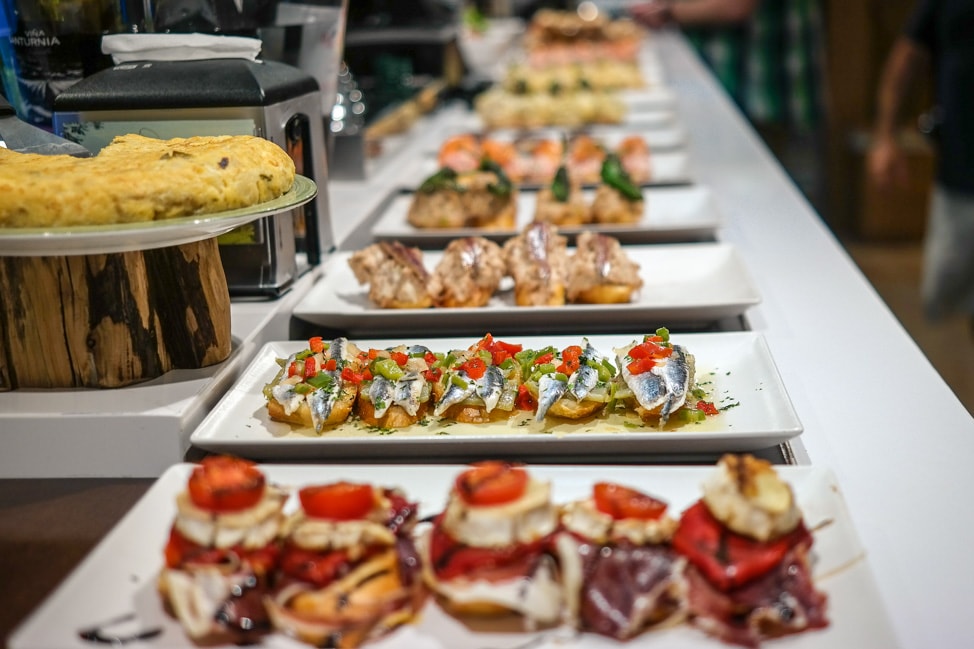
point(614, 175)
point(388, 368)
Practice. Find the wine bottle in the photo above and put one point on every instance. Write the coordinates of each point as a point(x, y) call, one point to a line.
point(57, 43)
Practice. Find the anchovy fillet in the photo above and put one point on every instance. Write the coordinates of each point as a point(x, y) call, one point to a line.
point(586, 377)
point(663, 388)
point(550, 390)
point(456, 393)
point(322, 400)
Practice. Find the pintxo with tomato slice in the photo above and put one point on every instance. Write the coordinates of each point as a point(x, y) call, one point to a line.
point(749, 572)
point(489, 553)
point(316, 387)
point(222, 551)
point(655, 376)
point(479, 384)
point(349, 571)
point(395, 387)
point(620, 574)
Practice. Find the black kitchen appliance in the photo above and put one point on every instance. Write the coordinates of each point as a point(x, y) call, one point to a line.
point(224, 96)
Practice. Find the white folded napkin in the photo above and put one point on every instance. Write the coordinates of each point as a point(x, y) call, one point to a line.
point(178, 47)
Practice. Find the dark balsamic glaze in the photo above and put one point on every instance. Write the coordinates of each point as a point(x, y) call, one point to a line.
point(100, 633)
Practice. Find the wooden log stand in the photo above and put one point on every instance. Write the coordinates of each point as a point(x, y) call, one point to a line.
point(111, 320)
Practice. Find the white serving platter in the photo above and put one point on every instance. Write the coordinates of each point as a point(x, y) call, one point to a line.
point(127, 237)
point(731, 367)
point(686, 283)
point(117, 580)
point(672, 214)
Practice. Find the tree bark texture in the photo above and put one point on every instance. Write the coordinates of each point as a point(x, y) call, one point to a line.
point(111, 320)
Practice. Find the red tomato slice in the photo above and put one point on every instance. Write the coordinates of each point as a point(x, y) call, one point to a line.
point(726, 559)
point(340, 501)
point(316, 344)
point(491, 483)
point(222, 483)
point(623, 502)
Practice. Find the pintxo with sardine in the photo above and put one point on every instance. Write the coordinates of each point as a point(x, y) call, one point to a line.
point(645, 383)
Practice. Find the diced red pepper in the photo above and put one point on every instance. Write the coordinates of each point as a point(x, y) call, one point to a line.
point(641, 365)
point(400, 358)
point(499, 350)
point(707, 407)
point(331, 364)
point(433, 374)
point(570, 357)
point(525, 400)
point(316, 344)
point(475, 367)
point(544, 358)
point(310, 367)
point(292, 369)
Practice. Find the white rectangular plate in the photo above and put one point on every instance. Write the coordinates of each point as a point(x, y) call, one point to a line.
point(671, 214)
point(119, 576)
point(732, 367)
point(682, 283)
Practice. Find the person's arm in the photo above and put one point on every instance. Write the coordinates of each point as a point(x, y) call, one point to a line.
point(887, 160)
point(658, 13)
